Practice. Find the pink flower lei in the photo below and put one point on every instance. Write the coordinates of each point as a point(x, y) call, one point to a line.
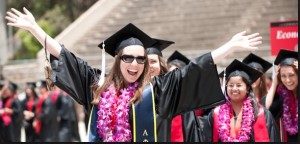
point(110, 105)
point(290, 124)
point(247, 122)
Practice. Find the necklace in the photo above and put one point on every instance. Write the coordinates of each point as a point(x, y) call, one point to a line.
point(290, 124)
point(113, 114)
point(247, 122)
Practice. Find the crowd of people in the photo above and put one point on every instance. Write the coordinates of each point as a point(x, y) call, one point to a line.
point(144, 98)
point(44, 115)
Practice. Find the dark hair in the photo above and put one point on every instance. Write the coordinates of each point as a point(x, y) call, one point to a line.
point(262, 86)
point(287, 62)
point(163, 65)
point(247, 81)
point(177, 63)
point(33, 93)
point(115, 77)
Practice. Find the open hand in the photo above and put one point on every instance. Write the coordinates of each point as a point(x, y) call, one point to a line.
point(17, 19)
point(296, 64)
point(241, 41)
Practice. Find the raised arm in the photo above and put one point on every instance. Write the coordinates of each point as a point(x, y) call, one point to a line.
point(272, 90)
point(26, 21)
point(240, 42)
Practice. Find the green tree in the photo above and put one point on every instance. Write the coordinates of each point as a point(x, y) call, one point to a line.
point(52, 15)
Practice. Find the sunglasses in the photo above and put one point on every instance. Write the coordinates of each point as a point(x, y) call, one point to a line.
point(130, 58)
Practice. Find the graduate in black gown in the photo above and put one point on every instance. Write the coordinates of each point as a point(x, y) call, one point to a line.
point(11, 114)
point(259, 87)
point(158, 65)
point(184, 127)
point(29, 107)
point(124, 106)
point(241, 118)
point(45, 122)
point(68, 124)
point(282, 98)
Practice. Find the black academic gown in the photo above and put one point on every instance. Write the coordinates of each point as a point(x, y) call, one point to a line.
point(68, 119)
point(277, 110)
point(29, 130)
point(191, 126)
point(12, 132)
point(49, 127)
point(195, 86)
point(208, 124)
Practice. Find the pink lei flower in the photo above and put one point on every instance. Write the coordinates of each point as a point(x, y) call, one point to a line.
point(115, 129)
point(247, 122)
point(290, 124)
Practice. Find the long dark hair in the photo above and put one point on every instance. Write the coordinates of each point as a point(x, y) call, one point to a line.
point(163, 65)
point(35, 96)
point(287, 62)
point(263, 85)
point(250, 93)
point(115, 77)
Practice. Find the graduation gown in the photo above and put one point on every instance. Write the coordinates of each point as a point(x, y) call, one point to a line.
point(264, 128)
point(195, 86)
point(48, 117)
point(68, 125)
point(29, 130)
point(11, 131)
point(277, 111)
point(185, 127)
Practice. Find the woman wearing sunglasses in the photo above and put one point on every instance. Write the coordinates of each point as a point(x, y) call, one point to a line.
point(126, 107)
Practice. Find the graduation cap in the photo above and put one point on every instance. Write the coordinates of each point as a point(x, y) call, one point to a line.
point(31, 84)
point(237, 68)
point(257, 62)
point(158, 47)
point(128, 35)
point(286, 57)
point(12, 86)
point(41, 84)
point(178, 56)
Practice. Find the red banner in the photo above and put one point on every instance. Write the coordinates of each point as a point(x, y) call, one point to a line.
point(284, 35)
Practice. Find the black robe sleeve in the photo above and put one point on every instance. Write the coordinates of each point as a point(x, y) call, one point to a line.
point(47, 111)
point(272, 127)
point(205, 127)
point(74, 76)
point(17, 118)
point(195, 86)
point(276, 107)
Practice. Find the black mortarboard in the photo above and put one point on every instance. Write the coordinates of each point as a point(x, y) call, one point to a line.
point(128, 35)
point(286, 56)
point(31, 84)
point(41, 84)
point(238, 68)
point(158, 46)
point(257, 62)
point(178, 56)
point(13, 87)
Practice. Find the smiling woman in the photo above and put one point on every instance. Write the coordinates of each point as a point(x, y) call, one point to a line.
point(127, 107)
point(282, 98)
point(241, 118)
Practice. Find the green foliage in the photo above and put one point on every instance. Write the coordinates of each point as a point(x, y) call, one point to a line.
point(52, 15)
point(30, 46)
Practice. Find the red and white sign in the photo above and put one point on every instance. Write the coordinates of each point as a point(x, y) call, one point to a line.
point(284, 35)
